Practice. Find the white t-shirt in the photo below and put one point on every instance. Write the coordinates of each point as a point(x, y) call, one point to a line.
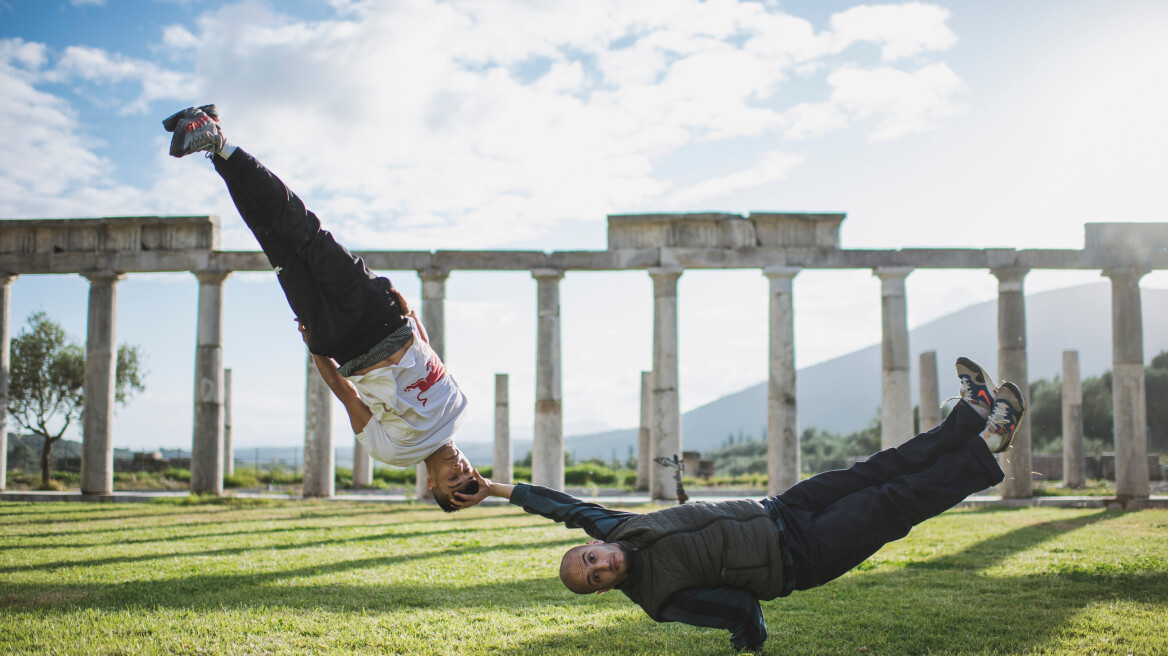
point(417, 406)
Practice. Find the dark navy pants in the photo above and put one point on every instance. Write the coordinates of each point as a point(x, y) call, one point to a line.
point(838, 519)
point(345, 307)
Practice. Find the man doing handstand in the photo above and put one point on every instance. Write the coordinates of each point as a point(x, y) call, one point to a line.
point(369, 347)
point(710, 564)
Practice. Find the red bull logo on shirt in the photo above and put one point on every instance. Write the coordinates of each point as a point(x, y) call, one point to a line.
point(435, 372)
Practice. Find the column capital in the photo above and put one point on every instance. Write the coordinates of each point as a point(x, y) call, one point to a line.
point(781, 271)
point(210, 277)
point(892, 272)
point(7, 278)
point(100, 277)
point(434, 274)
point(539, 274)
point(1120, 273)
point(665, 271)
point(1008, 277)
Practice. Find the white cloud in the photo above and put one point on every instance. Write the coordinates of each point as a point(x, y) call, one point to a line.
point(813, 120)
point(903, 30)
point(770, 167)
point(902, 103)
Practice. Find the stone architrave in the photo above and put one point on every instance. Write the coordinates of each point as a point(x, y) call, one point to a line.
point(930, 406)
point(207, 438)
point(5, 363)
point(1128, 387)
point(434, 320)
point(783, 462)
point(101, 359)
point(896, 424)
point(319, 459)
point(362, 465)
point(501, 472)
point(1016, 462)
point(666, 403)
point(1074, 464)
point(547, 452)
point(228, 445)
point(644, 434)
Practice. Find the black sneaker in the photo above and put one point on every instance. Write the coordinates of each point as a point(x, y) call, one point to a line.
point(195, 129)
point(1006, 416)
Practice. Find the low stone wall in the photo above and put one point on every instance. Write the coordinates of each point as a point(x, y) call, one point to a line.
point(1100, 466)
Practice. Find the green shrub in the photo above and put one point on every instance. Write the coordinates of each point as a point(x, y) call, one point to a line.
point(241, 478)
point(177, 474)
point(397, 476)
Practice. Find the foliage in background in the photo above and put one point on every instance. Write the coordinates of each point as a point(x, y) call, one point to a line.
point(46, 383)
point(1046, 411)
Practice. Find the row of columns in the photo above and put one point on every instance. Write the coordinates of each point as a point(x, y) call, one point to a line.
point(660, 403)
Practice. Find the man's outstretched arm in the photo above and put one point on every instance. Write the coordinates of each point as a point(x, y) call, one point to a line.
point(733, 609)
point(596, 520)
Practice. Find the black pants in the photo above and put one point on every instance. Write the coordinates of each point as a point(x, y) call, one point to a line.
point(346, 308)
point(838, 519)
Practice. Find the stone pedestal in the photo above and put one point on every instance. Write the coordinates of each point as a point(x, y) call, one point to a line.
point(207, 440)
point(1128, 391)
point(319, 460)
point(228, 444)
point(1074, 464)
point(896, 424)
point(666, 431)
point(783, 462)
point(502, 470)
point(930, 406)
point(363, 466)
point(547, 455)
point(101, 359)
point(1016, 461)
point(5, 363)
point(644, 435)
point(434, 319)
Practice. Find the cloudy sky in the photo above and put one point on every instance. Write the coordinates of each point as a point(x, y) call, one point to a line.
point(499, 124)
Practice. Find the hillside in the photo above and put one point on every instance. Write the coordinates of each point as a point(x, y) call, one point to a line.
point(843, 394)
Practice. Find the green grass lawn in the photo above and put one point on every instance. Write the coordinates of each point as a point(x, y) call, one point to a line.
point(256, 577)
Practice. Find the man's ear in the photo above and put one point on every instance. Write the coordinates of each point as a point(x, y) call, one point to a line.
point(430, 481)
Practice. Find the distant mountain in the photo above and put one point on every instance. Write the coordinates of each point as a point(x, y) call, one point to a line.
point(843, 394)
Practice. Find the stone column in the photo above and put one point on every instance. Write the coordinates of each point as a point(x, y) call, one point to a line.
point(666, 430)
point(363, 465)
point(896, 424)
point(783, 462)
point(547, 452)
point(1016, 462)
point(101, 359)
point(503, 457)
point(5, 363)
point(930, 408)
point(434, 319)
point(228, 445)
point(644, 445)
point(319, 460)
point(1074, 466)
point(207, 440)
point(1128, 392)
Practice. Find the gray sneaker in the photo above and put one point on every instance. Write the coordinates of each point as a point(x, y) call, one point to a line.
point(1006, 415)
point(195, 129)
point(977, 388)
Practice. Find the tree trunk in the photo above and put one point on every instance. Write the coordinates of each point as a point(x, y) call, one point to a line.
point(46, 451)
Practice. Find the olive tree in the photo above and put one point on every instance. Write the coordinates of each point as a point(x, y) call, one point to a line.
point(46, 384)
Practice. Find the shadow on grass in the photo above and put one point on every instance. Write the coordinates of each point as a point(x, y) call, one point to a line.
point(387, 536)
point(271, 589)
point(81, 527)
